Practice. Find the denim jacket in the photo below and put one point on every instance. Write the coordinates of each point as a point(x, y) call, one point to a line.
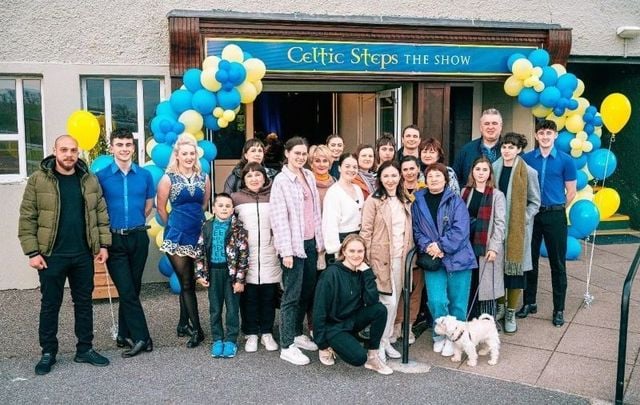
point(451, 233)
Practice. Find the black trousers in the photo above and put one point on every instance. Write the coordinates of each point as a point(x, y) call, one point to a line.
point(348, 347)
point(258, 308)
point(127, 257)
point(552, 227)
point(79, 270)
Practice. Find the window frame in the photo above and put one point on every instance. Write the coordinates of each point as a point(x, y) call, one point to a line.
point(20, 136)
point(138, 135)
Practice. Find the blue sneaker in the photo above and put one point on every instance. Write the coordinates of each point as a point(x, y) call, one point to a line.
point(216, 349)
point(230, 350)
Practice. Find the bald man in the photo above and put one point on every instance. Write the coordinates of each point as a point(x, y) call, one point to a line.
point(63, 228)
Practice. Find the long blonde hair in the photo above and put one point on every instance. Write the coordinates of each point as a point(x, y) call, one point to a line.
point(183, 140)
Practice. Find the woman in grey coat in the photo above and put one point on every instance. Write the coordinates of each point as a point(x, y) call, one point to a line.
point(519, 183)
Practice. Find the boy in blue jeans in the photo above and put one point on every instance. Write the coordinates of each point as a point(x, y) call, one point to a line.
point(222, 266)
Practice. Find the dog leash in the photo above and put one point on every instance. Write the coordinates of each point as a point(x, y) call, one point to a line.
point(114, 325)
point(475, 295)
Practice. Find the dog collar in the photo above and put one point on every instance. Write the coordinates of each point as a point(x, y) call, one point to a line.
point(459, 336)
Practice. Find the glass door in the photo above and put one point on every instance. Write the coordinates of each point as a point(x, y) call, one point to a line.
point(389, 113)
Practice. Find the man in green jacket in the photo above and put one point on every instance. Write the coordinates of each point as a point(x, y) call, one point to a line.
point(63, 228)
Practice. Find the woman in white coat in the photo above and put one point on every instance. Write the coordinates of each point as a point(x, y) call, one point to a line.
point(519, 183)
point(257, 303)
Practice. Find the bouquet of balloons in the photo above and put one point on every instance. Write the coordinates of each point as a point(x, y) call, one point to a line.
point(554, 94)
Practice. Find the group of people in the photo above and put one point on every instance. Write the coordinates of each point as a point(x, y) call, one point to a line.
point(325, 237)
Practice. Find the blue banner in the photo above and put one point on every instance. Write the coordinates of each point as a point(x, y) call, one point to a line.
point(291, 56)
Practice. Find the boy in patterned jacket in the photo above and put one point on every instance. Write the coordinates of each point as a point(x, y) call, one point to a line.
point(222, 267)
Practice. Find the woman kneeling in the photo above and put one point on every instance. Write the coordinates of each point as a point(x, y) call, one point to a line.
point(346, 302)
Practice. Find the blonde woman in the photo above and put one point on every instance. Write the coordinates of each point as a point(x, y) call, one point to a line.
point(188, 189)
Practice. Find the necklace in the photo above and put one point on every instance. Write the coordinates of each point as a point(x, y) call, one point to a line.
point(189, 177)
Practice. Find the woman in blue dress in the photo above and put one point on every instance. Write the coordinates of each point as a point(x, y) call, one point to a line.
point(187, 188)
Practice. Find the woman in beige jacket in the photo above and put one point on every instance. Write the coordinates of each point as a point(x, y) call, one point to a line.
point(387, 231)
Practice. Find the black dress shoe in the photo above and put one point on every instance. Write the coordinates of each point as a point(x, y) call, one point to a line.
point(92, 357)
point(124, 342)
point(139, 347)
point(184, 330)
point(558, 319)
point(526, 310)
point(196, 339)
point(46, 362)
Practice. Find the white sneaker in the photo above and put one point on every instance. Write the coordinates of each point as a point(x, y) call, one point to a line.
point(294, 356)
point(269, 342)
point(412, 337)
point(397, 332)
point(447, 350)
point(303, 342)
point(252, 344)
point(392, 352)
point(438, 345)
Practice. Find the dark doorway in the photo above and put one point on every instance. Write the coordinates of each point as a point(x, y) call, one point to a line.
point(460, 119)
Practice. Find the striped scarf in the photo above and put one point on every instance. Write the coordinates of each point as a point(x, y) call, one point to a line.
point(480, 232)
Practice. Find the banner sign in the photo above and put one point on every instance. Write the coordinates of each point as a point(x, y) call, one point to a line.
point(293, 56)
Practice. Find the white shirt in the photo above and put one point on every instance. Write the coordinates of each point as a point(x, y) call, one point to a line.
point(341, 214)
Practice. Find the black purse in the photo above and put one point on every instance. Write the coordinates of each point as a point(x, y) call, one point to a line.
point(428, 263)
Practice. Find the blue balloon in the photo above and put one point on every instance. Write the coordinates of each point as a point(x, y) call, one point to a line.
point(209, 150)
point(237, 73)
point(549, 76)
point(206, 166)
point(164, 108)
point(228, 85)
point(204, 101)
point(160, 137)
point(591, 110)
point(588, 128)
point(178, 127)
point(558, 111)
point(563, 141)
point(528, 97)
point(573, 104)
point(514, 58)
point(165, 267)
point(191, 80)
point(602, 163)
point(246, 55)
point(584, 217)
point(230, 100)
point(155, 125)
point(181, 101)
point(224, 65)
point(539, 58)
point(166, 124)
point(567, 83)
point(571, 231)
point(582, 180)
point(597, 121)
point(159, 219)
point(174, 284)
point(161, 155)
point(211, 122)
point(171, 138)
point(156, 173)
point(101, 162)
point(595, 141)
point(543, 250)
point(588, 117)
point(222, 75)
point(580, 162)
point(574, 248)
point(550, 96)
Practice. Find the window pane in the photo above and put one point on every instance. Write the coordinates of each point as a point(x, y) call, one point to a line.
point(151, 94)
point(124, 112)
point(8, 108)
point(230, 140)
point(33, 123)
point(9, 160)
point(95, 96)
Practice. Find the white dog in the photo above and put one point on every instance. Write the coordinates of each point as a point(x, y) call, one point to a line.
point(465, 336)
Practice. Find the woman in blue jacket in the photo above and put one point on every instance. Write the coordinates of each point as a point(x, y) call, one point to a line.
point(441, 231)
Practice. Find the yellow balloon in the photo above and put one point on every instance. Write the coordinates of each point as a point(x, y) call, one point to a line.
point(536, 71)
point(522, 68)
point(190, 135)
point(576, 153)
point(199, 135)
point(192, 121)
point(229, 115)
point(558, 120)
point(255, 68)
point(597, 131)
point(217, 112)
point(258, 85)
point(169, 207)
point(587, 146)
point(575, 143)
point(608, 201)
point(539, 86)
point(154, 229)
point(582, 136)
point(530, 81)
point(559, 69)
point(541, 111)
point(589, 175)
point(208, 215)
point(615, 110)
point(232, 53)
point(150, 145)
point(583, 104)
point(248, 92)
point(210, 62)
point(200, 152)
point(237, 110)
point(84, 128)
point(579, 89)
point(222, 123)
point(160, 238)
point(208, 79)
point(574, 123)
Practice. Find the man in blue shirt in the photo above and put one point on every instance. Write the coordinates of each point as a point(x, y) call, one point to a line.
point(128, 190)
point(556, 173)
point(487, 145)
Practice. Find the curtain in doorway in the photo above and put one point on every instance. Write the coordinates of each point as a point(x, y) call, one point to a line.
point(269, 106)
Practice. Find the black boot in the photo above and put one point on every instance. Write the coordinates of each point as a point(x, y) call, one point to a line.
point(184, 330)
point(526, 310)
point(196, 339)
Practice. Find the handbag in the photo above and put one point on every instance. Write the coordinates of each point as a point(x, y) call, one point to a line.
point(428, 263)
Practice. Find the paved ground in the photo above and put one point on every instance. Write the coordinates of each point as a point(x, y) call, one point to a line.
point(574, 364)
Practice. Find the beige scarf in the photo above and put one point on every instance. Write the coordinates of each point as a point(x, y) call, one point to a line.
point(514, 245)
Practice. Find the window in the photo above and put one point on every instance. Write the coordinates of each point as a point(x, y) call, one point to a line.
point(124, 103)
point(21, 134)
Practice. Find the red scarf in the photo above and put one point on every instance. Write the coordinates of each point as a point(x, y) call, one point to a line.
point(480, 230)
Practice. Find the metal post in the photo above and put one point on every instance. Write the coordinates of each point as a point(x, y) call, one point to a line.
point(406, 292)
